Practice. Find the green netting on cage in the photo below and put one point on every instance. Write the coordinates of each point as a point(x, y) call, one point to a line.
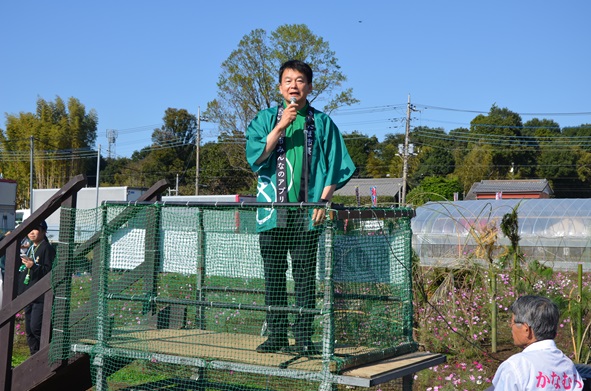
point(160, 294)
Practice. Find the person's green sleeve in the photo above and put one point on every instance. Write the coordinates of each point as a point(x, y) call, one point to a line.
point(256, 137)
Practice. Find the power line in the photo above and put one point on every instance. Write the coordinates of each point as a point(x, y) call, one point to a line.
point(504, 140)
point(368, 110)
point(488, 111)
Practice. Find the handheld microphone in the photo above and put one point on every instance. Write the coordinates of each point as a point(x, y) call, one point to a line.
point(292, 100)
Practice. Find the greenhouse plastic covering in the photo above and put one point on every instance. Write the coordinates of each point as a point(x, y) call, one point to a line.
point(551, 230)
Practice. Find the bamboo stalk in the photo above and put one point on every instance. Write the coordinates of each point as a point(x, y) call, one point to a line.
point(580, 309)
point(493, 322)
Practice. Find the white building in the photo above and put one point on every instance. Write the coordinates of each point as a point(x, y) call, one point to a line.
point(7, 205)
point(87, 198)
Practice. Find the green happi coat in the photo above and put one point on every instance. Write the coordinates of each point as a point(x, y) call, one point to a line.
point(330, 161)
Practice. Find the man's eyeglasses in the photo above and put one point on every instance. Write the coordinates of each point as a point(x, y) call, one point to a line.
point(513, 323)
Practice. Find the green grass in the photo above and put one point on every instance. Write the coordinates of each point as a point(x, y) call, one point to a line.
point(138, 372)
point(20, 350)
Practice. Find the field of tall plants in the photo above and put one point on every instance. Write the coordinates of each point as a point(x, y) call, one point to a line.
point(453, 315)
point(462, 311)
point(453, 307)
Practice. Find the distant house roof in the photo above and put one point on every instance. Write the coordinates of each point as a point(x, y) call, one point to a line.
point(384, 186)
point(520, 188)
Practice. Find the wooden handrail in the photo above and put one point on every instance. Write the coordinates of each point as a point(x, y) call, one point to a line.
point(10, 245)
point(12, 304)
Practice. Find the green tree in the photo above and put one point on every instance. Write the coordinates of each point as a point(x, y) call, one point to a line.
point(360, 147)
point(249, 79)
point(541, 129)
point(434, 148)
point(501, 129)
point(384, 161)
point(375, 166)
point(171, 153)
point(434, 189)
point(542, 135)
point(234, 153)
point(218, 175)
point(558, 162)
point(63, 134)
point(433, 161)
point(579, 135)
point(476, 166)
point(178, 131)
point(584, 167)
point(162, 163)
point(459, 144)
point(112, 170)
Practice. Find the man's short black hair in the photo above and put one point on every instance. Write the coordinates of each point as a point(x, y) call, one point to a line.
point(42, 226)
point(297, 65)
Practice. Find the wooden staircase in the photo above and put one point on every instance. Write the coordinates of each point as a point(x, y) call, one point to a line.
point(37, 372)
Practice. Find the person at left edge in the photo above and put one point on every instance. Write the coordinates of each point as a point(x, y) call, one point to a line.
point(36, 263)
point(275, 148)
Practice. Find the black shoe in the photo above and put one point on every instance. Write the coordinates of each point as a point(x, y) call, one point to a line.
point(273, 345)
point(307, 348)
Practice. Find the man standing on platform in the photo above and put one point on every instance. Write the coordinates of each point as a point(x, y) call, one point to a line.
point(299, 156)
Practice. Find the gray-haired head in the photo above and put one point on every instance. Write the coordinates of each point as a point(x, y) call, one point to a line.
point(540, 313)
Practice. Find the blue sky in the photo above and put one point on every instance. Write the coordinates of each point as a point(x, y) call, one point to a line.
point(130, 60)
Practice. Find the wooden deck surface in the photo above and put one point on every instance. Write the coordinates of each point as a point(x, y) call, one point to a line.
point(241, 348)
point(412, 361)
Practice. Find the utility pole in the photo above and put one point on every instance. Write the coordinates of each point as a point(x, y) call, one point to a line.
point(406, 153)
point(31, 175)
point(197, 147)
point(98, 173)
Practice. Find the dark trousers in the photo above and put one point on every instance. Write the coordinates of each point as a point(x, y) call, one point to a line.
point(302, 245)
point(33, 321)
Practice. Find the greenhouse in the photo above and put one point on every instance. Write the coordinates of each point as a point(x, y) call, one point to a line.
point(555, 232)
